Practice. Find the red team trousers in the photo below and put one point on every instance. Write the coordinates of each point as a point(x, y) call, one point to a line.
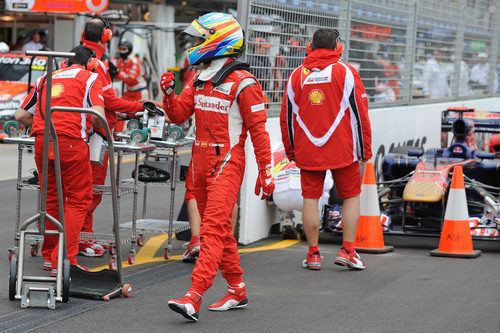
point(77, 193)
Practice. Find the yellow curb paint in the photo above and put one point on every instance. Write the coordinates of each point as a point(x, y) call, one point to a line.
point(157, 242)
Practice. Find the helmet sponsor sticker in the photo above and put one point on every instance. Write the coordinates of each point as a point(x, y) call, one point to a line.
point(316, 97)
point(207, 48)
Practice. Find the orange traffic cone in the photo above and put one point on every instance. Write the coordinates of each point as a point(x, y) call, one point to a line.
point(369, 235)
point(456, 239)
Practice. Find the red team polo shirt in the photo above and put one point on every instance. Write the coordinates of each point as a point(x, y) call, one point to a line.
point(72, 86)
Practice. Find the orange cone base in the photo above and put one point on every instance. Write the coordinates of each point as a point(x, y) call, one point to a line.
point(382, 250)
point(470, 255)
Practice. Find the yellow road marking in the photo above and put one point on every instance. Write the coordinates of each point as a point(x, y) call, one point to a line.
point(146, 254)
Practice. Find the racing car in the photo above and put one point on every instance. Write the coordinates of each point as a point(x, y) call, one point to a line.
point(18, 72)
point(415, 184)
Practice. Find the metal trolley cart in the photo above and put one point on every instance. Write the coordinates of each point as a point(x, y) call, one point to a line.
point(123, 187)
point(166, 154)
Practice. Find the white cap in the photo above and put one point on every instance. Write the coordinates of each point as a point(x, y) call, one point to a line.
point(4, 48)
point(482, 55)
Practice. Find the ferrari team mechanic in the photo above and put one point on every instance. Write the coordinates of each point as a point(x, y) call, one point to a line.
point(227, 102)
point(74, 86)
point(96, 34)
point(325, 126)
point(132, 73)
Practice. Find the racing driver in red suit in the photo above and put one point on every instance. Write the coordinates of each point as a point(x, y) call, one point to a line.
point(325, 126)
point(227, 101)
point(96, 34)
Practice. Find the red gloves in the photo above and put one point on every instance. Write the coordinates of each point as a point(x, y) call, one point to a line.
point(167, 83)
point(264, 181)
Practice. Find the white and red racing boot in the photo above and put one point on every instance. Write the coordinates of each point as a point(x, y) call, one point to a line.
point(188, 306)
point(349, 259)
point(91, 250)
point(236, 298)
point(193, 249)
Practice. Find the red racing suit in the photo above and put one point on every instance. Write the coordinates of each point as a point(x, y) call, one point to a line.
point(76, 87)
point(324, 114)
point(112, 104)
point(223, 115)
point(133, 75)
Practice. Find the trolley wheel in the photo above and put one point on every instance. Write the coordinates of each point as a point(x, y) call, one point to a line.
point(131, 258)
point(127, 290)
point(112, 250)
point(140, 240)
point(133, 124)
point(13, 278)
point(11, 128)
point(166, 254)
point(112, 264)
point(34, 249)
point(66, 280)
point(137, 136)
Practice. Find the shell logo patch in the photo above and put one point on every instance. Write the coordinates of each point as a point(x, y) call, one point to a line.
point(57, 90)
point(316, 97)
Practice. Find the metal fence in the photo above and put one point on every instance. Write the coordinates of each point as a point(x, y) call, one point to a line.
point(406, 51)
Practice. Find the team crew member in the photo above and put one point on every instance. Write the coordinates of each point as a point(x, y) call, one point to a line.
point(131, 71)
point(95, 36)
point(73, 86)
point(227, 102)
point(325, 126)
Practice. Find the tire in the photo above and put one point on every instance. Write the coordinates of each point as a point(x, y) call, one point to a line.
point(13, 278)
point(334, 197)
point(66, 280)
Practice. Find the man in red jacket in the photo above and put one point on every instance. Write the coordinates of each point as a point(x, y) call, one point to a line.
point(325, 126)
point(74, 86)
point(95, 36)
point(132, 73)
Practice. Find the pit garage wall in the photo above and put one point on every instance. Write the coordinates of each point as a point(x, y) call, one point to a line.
point(416, 125)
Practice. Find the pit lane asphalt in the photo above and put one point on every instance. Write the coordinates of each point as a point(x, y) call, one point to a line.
point(406, 290)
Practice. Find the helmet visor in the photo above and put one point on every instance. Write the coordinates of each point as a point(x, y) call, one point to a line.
point(195, 29)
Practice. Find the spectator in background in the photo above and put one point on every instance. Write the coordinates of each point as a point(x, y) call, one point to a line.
point(392, 73)
point(34, 44)
point(435, 80)
point(21, 40)
point(463, 84)
point(480, 73)
point(260, 65)
point(369, 73)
